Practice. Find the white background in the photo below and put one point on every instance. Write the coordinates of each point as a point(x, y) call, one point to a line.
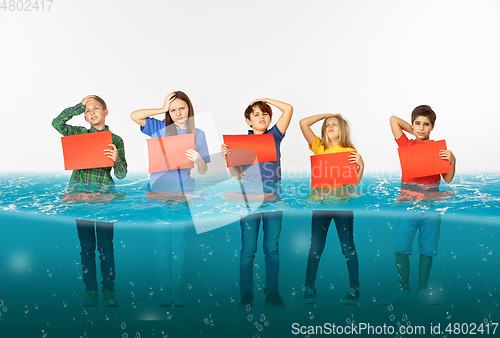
point(366, 59)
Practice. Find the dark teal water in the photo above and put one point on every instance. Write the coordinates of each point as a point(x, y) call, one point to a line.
point(41, 288)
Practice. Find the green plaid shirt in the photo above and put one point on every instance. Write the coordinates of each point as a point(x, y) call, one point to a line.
point(96, 179)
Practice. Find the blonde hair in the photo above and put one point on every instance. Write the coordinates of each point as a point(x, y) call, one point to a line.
point(345, 133)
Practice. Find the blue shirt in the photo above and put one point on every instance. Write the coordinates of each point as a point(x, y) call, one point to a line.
point(266, 172)
point(170, 180)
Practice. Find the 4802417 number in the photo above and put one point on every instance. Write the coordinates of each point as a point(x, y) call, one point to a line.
point(471, 328)
point(26, 5)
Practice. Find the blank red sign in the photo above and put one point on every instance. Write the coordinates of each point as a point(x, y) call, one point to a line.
point(167, 153)
point(250, 149)
point(331, 170)
point(86, 151)
point(423, 160)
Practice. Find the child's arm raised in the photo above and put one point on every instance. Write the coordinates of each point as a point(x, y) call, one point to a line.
point(236, 171)
point(305, 126)
point(398, 125)
point(139, 116)
point(59, 123)
point(286, 116)
point(448, 155)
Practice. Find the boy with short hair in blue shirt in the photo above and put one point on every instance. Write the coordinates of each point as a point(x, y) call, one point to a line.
point(91, 181)
point(258, 116)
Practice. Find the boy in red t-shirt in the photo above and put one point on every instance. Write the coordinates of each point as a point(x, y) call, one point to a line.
point(423, 119)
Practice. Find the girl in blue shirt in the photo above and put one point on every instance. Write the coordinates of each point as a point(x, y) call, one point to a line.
point(179, 119)
point(169, 240)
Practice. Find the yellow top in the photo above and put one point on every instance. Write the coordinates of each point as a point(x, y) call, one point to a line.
point(319, 149)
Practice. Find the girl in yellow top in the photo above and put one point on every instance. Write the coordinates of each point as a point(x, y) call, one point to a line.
point(335, 137)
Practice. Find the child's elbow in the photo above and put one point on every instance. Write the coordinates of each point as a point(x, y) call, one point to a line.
point(132, 116)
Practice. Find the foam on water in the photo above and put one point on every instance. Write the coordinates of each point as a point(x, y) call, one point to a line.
point(41, 194)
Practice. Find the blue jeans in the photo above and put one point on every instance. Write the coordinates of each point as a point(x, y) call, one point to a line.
point(249, 234)
point(169, 254)
point(321, 220)
point(428, 223)
point(87, 235)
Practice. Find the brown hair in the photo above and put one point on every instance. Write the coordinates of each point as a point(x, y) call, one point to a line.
point(264, 107)
point(170, 125)
point(345, 133)
point(426, 111)
point(101, 102)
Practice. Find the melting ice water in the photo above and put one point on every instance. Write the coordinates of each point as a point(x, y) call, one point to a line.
point(42, 289)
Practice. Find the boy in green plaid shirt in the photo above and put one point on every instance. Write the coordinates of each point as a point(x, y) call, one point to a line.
point(92, 181)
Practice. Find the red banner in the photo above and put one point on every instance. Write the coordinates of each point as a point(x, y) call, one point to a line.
point(167, 153)
point(423, 160)
point(250, 149)
point(332, 170)
point(86, 151)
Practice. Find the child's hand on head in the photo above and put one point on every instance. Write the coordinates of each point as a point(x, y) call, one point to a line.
point(257, 100)
point(168, 101)
point(111, 153)
point(87, 99)
point(447, 155)
point(194, 156)
point(224, 149)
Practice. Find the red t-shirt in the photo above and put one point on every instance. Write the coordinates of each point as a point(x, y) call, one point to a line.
point(403, 141)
